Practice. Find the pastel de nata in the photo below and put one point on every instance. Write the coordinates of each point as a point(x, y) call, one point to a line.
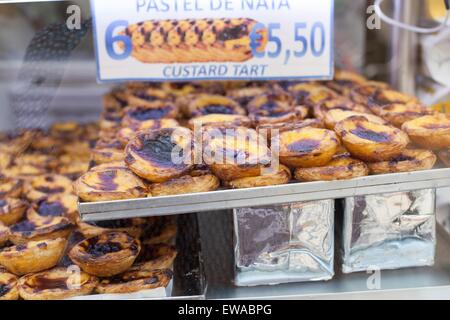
point(210, 5)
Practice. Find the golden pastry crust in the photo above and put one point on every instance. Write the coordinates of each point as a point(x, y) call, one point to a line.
point(8, 286)
point(273, 129)
point(193, 40)
point(321, 109)
point(150, 154)
point(107, 254)
point(341, 167)
point(205, 104)
point(42, 186)
point(311, 94)
point(444, 156)
point(127, 133)
point(408, 160)
point(370, 141)
point(115, 100)
point(56, 284)
point(12, 210)
point(78, 149)
point(66, 130)
point(155, 256)
point(220, 120)
point(333, 116)
point(50, 228)
point(344, 81)
point(361, 94)
point(146, 96)
point(4, 234)
point(109, 184)
point(185, 184)
point(135, 281)
point(33, 257)
point(275, 108)
point(110, 121)
point(136, 116)
point(307, 147)
point(74, 169)
point(25, 172)
point(382, 97)
point(243, 96)
point(58, 205)
point(134, 227)
point(234, 153)
point(16, 142)
point(45, 143)
point(397, 114)
point(160, 230)
point(179, 89)
point(107, 150)
point(430, 132)
point(282, 176)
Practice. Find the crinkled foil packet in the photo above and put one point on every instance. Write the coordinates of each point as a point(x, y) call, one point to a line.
point(389, 231)
point(286, 243)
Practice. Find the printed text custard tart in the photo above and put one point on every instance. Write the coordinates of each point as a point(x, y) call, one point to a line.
point(54, 206)
point(56, 284)
point(307, 147)
point(50, 228)
point(185, 184)
point(107, 254)
point(12, 210)
point(332, 117)
point(8, 286)
point(33, 257)
point(408, 160)
point(270, 178)
point(160, 155)
point(41, 186)
point(217, 119)
point(113, 183)
point(341, 167)
point(134, 227)
point(133, 281)
point(370, 141)
point(205, 104)
point(397, 114)
point(431, 132)
point(234, 153)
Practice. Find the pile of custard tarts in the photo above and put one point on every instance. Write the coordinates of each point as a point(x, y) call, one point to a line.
point(311, 131)
point(46, 251)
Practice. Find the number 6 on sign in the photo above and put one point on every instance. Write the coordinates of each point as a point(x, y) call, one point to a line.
point(123, 41)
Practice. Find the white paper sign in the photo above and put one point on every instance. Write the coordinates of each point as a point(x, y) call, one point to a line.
point(177, 40)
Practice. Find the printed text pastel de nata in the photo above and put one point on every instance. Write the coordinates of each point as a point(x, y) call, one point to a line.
point(210, 5)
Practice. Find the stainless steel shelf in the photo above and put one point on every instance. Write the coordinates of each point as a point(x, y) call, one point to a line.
point(227, 199)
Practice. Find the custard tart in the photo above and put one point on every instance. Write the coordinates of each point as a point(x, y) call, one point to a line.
point(12, 210)
point(107, 254)
point(194, 40)
point(307, 147)
point(33, 257)
point(371, 141)
point(113, 183)
point(234, 153)
point(341, 167)
point(45, 229)
point(110, 121)
point(382, 97)
point(134, 227)
point(275, 108)
point(56, 284)
point(115, 100)
point(332, 117)
point(273, 129)
point(444, 156)
point(42, 186)
point(430, 132)
point(124, 135)
point(25, 171)
point(140, 115)
point(107, 150)
point(179, 89)
point(16, 142)
point(185, 184)
point(280, 176)
point(243, 96)
point(134, 281)
point(8, 286)
point(45, 143)
point(160, 155)
point(4, 234)
point(344, 81)
point(397, 114)
point(160, 230)
point(311, 94)
point(408, 160)
point(155, 256)
point(146, 97)
point(74, 169)
point(58, 205)
point(220, 120)
point(322, 108)
point(205, 104)
point(66, 130)
point(361, 94)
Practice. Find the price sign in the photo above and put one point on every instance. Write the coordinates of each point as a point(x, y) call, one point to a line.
point(179, 40)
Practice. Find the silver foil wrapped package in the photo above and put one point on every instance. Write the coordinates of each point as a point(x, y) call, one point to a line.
point(286, 243)
point(389, 231)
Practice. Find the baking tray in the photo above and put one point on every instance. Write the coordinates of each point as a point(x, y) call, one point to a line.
point(292, 192)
